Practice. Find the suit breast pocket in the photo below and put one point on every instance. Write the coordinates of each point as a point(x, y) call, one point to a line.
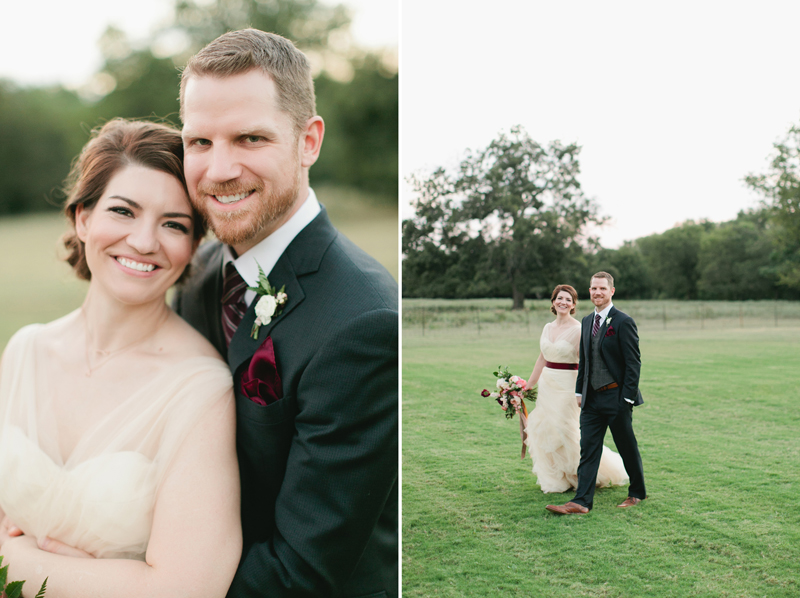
point(269, 415)
point(264, 434)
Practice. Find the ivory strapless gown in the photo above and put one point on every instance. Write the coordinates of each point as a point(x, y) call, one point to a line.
point(554, 435)
point(101, 497)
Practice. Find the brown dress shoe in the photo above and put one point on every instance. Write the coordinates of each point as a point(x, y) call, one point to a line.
point(569, 508)
point(631, 501)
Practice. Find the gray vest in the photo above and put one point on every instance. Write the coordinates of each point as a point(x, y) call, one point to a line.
point(599, 375)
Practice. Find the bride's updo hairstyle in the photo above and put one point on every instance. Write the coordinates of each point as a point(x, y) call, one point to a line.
point(573, 293)
point(112, 147)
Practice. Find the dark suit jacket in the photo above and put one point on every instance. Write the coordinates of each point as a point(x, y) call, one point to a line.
point(620, 352)
point(319, 466)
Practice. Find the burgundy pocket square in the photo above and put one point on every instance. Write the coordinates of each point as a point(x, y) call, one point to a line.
point(610, 331)
point(261, 383)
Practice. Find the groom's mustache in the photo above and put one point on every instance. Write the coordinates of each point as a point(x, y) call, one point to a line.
point(230, 187)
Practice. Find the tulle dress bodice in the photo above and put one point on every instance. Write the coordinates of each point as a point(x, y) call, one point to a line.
point(560, 346)
point(553, 432)
point(100, 497)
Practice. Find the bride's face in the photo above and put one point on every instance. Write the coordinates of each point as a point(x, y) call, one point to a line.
point(138, 237)
point(563, 303)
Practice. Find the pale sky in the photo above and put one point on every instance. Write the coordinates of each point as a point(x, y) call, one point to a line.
point(55, 41)
point(673, 102)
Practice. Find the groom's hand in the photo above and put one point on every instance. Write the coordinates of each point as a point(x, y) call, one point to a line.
point(578, 399)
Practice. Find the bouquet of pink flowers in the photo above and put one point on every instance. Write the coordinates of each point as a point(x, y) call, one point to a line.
point(511, 393)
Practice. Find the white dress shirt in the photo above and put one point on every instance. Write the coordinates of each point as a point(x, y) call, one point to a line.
point(267, 253)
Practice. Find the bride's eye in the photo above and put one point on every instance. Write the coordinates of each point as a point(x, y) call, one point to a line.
point(121, 210)
point(177, 226)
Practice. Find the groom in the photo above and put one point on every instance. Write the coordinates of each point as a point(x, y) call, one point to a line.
point(607, 389)
point(314, 353)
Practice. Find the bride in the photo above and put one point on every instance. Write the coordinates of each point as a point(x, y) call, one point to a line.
point(118, 471)
point(553, 432)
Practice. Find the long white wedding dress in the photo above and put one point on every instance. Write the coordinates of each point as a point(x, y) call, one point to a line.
point(99, 498)
point(553, 426)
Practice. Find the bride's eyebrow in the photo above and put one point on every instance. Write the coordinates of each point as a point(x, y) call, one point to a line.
point(130, 202)
point(133, 204)
point(176, 215)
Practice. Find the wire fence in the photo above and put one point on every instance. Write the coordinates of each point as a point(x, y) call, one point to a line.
point(428, 317)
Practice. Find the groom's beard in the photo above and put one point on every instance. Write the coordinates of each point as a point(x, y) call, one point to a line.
point(237, 227)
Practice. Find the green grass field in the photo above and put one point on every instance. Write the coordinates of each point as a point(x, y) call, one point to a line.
point(38, 287)
point(719, 440)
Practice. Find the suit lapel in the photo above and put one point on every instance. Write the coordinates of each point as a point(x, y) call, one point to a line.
point(604, 324)
point(242, 344)
point(302, 257)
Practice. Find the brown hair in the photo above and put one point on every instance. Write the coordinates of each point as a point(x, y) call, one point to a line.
point(240, 51)
point(573, 293)
point(605, 275)
point(115, 145)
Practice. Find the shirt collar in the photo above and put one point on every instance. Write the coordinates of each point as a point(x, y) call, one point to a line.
point(267, 253)
point(604, 313)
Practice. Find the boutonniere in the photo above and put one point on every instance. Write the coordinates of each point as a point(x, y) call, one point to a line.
point(608, 320)
point(269, 305)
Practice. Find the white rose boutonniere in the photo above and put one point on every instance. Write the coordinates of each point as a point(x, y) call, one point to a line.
point(269, 305)
point(608, 320)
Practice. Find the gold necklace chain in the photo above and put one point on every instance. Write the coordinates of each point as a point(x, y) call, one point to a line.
point(108, 355)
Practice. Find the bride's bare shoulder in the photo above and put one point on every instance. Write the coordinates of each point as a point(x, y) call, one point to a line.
point(184, 342)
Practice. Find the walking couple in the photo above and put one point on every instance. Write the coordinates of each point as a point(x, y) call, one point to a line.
point(591, 369)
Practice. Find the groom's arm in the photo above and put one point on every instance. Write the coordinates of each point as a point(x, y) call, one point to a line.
point(629, 345)
point(341, 471)
point(581, 370)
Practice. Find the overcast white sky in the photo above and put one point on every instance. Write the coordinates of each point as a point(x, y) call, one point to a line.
point(55, 41)
point(673, 102)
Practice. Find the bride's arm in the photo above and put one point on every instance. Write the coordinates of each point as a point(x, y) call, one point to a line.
point(537, 371)
point(196, 537)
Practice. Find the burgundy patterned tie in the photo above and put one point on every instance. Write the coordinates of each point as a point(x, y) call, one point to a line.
point(233, 305)
point(596, 326)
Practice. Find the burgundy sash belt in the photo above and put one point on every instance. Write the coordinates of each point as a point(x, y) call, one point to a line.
point(561, 366)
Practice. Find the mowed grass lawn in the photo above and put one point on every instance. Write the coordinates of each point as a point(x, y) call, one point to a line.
point(719, 435)
point(36, 286)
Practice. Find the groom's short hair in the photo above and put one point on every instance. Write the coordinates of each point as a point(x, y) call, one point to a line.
point(241, 51)
point(605, 275)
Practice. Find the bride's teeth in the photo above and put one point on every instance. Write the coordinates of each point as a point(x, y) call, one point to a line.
point(135, 265)
point(231, 198)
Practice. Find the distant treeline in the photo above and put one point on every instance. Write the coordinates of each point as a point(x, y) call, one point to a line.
point(512, 221)
point(733, 260)
point(43, 129)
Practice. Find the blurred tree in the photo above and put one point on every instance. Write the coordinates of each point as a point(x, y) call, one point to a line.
point(780, 187)
point(40, 132)
point(523, 200)
point(361, 130)
point(734, 260)
point(672, 258)
point(134, 84)
point(308, 23)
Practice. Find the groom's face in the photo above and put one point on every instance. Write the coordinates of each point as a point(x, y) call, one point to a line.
point(242, 156)
point(601, 293)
